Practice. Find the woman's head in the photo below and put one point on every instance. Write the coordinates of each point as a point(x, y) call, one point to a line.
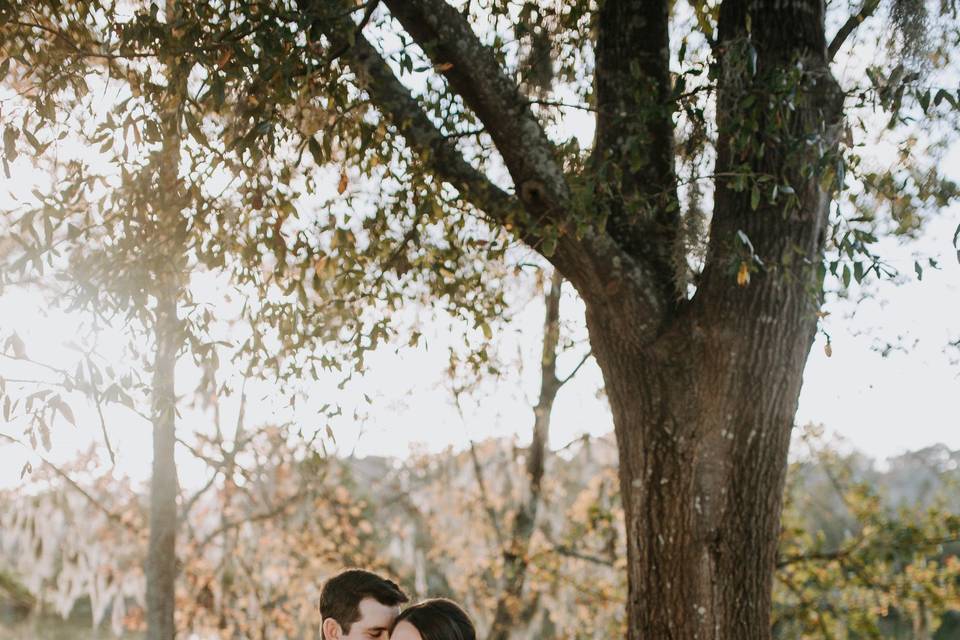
point(437, 619)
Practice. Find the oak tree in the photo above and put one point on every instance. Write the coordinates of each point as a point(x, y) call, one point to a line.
point(379, 155)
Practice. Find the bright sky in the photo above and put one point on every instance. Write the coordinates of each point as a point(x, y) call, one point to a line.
point(882, 405)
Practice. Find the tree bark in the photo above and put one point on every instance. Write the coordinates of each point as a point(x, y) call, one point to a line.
point(633, 152)
point(704, 410)
point(161, 568)
point(703, 391)
point(167, 263)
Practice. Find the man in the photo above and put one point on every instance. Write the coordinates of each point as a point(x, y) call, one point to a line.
point(359, 605)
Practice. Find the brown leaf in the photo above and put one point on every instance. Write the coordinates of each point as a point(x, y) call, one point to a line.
point(344, 181)
point(827, 349)
point(19, 349)
point(443, 66)
point(743, 275)
point(224, 58)
point(65, 410)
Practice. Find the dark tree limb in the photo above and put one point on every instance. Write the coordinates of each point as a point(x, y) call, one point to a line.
point(633, 152)
point(593, 262)
point(845, 31)
point(567, 378)
point(345, 46)
point(441, 153)
point(473, 71)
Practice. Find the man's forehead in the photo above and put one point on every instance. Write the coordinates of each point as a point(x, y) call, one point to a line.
point(376, 614)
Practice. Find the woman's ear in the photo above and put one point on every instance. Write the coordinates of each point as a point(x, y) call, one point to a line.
point(330, 629)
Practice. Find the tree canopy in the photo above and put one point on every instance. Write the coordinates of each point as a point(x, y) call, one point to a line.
point(701, 173)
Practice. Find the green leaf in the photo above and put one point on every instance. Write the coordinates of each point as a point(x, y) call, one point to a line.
point(942, 95)
point(32, 139)
point(316, 150)
point(59, 405)
point(548, 246)
point(487, 331)
point(10, 136)
point(194, 128)
point(754, 197)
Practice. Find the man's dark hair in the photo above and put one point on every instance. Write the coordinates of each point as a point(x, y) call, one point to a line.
point(341, 595)
point(439, 619)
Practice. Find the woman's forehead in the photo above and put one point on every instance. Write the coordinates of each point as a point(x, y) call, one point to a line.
point(376, 614)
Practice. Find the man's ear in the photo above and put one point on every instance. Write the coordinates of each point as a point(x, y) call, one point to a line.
point(330, 629)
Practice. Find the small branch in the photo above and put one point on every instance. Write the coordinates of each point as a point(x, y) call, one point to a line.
point(567, 379)
point(48, 367)
point(573, 553)
point(343, 48)
point(189, 504)
point(561, 104)
point(464, 134)
point(850, 26)
point(79, 52)
point(841, 554)
point(103, 427)
point(264, 515)
point(485, 497)
point(73, 483)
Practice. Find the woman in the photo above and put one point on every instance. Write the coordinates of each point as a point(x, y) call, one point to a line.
point(436, 619)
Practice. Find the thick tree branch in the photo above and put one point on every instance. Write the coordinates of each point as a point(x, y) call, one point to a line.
point(634, 147)
point(441, 153)
point(446, 161)
point(592, 262)
point(345, 46)
point(473, 71)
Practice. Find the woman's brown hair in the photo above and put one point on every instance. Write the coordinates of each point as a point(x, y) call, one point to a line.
point(439, 619)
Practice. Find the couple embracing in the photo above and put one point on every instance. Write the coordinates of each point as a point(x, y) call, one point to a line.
point(360, 605)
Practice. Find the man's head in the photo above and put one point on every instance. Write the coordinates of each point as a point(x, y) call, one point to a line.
point(359, 605)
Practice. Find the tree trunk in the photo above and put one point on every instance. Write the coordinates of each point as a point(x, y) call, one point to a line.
point(703, 420)
point(161, 565)
point(704, 408)
point(510, 601)
point(167, 263)
point(703, 391)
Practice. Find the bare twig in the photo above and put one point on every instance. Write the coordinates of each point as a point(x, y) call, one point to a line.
point(484, 496)
point(73, 483)
point(257, 517)
point(103, 427)
point(570, 376)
